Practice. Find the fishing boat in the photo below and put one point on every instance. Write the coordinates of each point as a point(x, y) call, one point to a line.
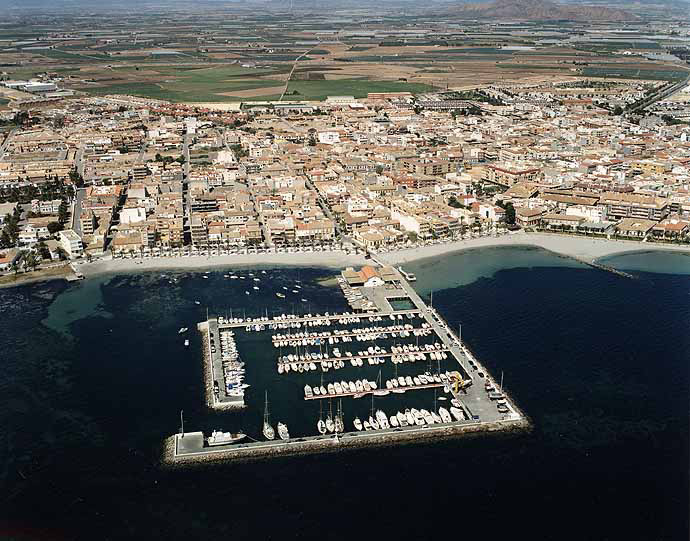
point(218, 437)
point(268, 431)
point(283, 431)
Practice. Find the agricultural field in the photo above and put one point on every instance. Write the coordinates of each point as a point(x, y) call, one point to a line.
point(224, 56)
point(319, 90)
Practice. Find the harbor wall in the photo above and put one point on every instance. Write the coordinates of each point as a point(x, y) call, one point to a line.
point(349, 441)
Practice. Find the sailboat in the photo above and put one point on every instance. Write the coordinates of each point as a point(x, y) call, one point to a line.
point(269, 433)
point(339, 424)
point(320, 425)
point(330, 425)
point(372, 420)
point(378, 391)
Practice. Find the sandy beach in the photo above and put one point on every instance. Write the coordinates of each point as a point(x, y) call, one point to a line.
point(335, 260)
point(582, 248)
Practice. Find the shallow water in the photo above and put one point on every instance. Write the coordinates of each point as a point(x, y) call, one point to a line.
point(95, 376)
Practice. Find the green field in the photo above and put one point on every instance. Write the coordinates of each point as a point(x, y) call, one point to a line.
point(184, 84)
point(319, 90)
point(190, 85)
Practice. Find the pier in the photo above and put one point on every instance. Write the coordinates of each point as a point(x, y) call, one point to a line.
point(359, 394)
point(480, 403)
point(315, 320)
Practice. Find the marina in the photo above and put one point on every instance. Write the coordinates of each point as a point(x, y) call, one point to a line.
point(403, 375)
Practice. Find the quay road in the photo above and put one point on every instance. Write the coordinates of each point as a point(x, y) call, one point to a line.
point(474, 397)
point(216, 364)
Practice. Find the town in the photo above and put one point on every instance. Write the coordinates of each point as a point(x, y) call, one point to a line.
point(127, 177)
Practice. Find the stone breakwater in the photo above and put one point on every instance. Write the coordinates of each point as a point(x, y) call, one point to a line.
point(351, 441)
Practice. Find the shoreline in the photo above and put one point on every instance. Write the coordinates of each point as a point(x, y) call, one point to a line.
point(587, 250)
point(335, 260)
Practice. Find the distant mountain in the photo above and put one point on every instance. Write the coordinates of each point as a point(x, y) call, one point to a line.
point(538, 10)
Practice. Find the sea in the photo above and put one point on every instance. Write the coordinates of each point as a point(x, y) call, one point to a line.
point(95, 376)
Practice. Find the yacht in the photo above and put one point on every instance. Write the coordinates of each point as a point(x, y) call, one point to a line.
point(307, 391)
point(358, 423)
point(218, 437)
point(382, 419)
point(402, 419)
point(283, 431)
point(410, 418)
point(445, 416)
point(457, 413)
point(393, 421)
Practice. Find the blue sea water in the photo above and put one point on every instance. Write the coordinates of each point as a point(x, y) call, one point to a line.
point(94, 377)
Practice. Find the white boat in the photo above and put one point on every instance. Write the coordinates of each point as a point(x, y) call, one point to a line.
point(402, 419)
point(445, 415)
point(186, 343)
point(268, 431)
point(283, 431)
point(457, 413)
point(182, 330)
point(308, 392)
point(374, 423)
point(280, 295)
point(410, 418)
point(218, 437)
point(357, 423)
point(330, 425)
point(393, 421)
